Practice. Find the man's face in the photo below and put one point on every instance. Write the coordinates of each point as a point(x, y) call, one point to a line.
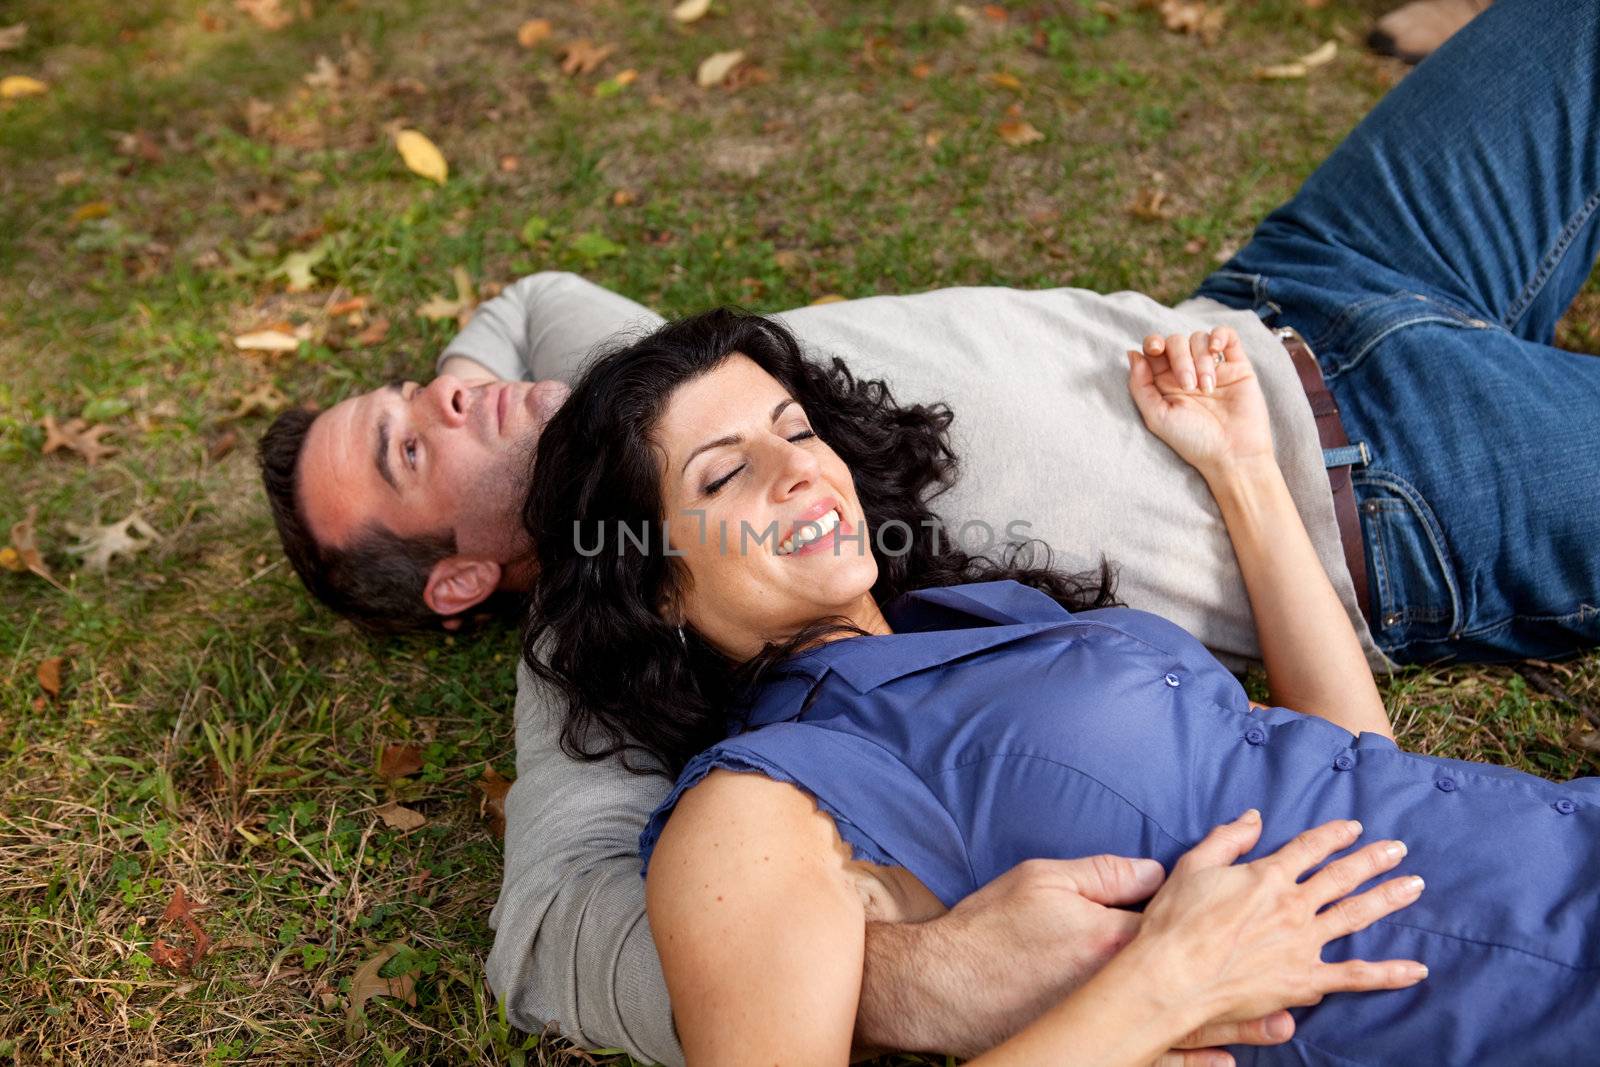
point(427, 460)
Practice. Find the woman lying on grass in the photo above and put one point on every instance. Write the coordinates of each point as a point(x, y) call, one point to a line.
point(866, 723)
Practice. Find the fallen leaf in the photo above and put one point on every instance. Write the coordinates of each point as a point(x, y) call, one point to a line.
point(264, 399)
point(11, 37)
point(266, 341)
point(827, 298)
point(399, 817)
point(23, 552)
point(441, 307)
point(78, 436)
point(94, 209)
point(368, 983)
point(1150, 205)
point(268, 14)
point(583, 56)
point(1299, 68)
point(747, 74)
point(422, 156)
point(786, 259)
point(178, 957)
point(509, 163)
point(623, 197)
point(324, 75)
point(99, 545)
point(691, 11)
point(1193, 17)
point(222, 444)
point(1002, 80)
point(994, 12)
point(299, 268)
point(613, 86)
point(717, 66)
point(347, 306)
point(67, 179)
point(921, 71)
point(399, 760)
point(139, 144)
point(492, 790)
point(14, 86)
point(49, 675)
point(530, 33)
point(1018, 132)
point(375, 333)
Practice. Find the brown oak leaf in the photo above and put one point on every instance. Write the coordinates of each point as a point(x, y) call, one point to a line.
point(492, 790)
point(23, 552)
point(268, 14)
point(367, 983)
point(264, 399)
point(1194, 17)
point(177, 956)
point(398, 817)
point(398, 761)
point(49, 675)
point(78, 436)
point(583, 56)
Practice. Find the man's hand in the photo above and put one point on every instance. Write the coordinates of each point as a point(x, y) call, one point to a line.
point(966, 981)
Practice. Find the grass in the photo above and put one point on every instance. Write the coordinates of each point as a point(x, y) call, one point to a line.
point(217, 732)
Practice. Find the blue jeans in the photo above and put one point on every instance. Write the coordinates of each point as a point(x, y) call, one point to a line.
point(1427, 262)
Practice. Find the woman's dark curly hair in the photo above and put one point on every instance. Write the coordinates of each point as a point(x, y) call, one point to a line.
point(633, 685)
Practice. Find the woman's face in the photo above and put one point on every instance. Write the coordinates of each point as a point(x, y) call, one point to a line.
point(764, 514)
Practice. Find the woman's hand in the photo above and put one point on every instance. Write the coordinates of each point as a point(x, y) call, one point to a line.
point(1200, 395)
point(1246, 939)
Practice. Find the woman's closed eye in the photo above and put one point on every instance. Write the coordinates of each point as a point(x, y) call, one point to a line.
point(711, 488)
point(408, 449)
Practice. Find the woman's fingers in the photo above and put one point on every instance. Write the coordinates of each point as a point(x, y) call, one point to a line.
point(1224, 844)
point(1200, 1057)
point(1342, 875)
point(1182, 359)
point(1357, 976)
point(1359, 912)
point(1312, 847)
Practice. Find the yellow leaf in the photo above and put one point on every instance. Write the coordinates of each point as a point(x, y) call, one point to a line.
point(530, 33)
point(1302, 66)
point(827, 298)
point(1002, 80)
point(11, 560)
point(94, 209)
point(422, 156)
point(714, 68)
point(691, 10)
point(1016, 133)
point(16, 85)
point(266, 341)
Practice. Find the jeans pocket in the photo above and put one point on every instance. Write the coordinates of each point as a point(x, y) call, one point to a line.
point(1415, 597)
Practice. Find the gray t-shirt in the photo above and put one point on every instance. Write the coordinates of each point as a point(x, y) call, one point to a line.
point(1047, 435)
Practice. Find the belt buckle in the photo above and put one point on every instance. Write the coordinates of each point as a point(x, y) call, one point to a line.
point(1289, 333)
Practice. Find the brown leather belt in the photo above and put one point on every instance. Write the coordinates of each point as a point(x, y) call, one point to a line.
point(1331, 435)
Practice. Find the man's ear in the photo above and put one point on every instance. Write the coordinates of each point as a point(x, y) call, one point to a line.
point(460, 583)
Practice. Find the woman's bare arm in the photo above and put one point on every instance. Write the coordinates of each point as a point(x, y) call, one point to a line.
point(1215, 417)
point(759, 929)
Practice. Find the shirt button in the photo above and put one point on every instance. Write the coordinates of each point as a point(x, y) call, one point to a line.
point(1565, 806)
point(1172, 680)
point(1446, 785)
point(1343, 762)
point(1256, 735)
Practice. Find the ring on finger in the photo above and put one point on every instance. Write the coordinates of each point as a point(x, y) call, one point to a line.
point(1218, 358)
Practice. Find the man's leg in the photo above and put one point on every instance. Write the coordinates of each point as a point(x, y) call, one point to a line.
point(1428, 260)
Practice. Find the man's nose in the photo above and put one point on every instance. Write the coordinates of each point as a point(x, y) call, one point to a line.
point(447, 400)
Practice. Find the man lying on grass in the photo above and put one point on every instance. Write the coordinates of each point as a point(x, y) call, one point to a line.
point(1438, 448)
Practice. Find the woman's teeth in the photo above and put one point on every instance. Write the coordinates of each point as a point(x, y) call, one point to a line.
point(811, 531)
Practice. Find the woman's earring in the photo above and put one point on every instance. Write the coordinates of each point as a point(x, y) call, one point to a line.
point(682, 640)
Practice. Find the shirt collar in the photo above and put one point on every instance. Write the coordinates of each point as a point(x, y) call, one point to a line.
point(932, 627)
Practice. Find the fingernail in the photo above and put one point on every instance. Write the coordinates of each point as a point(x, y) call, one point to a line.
point(1415, 885)
point(1251, 816)
point(1395, 849)
point(1355, 827)
point(1206, 383)
point(1279, 1028)
point(1421, 971)
point(1145, 871)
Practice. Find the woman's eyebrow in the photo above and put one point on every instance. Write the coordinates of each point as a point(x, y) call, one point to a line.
point(733, 439)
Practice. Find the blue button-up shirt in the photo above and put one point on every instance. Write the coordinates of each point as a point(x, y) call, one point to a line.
point(993, 726)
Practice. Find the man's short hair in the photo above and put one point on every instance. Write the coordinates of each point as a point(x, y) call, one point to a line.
point(379, 578)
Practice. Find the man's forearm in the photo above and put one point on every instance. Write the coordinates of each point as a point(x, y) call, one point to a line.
point(466, 369)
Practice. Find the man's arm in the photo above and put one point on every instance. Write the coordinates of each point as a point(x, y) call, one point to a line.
point(541, 326)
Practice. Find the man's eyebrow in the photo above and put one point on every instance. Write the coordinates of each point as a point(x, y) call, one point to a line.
point(382, 456)
point(733, 439)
